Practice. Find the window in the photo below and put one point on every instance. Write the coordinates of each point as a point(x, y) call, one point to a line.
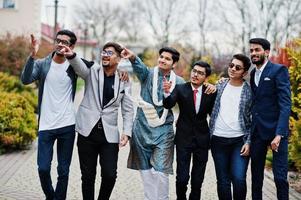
point(8, 4)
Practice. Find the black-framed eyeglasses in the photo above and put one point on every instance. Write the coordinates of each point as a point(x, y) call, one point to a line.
point(107, 53)
point(236, 67)
point(199, 73)
point(64, 42)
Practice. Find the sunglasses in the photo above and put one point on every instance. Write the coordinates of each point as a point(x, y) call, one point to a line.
point(64, 42)
point(236, 67)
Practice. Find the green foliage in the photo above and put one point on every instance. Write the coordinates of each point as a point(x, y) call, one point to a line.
point(17, 118)
point(149, 57)
point(213, 78)
point(294, 52)
point(79, 84)
point(17, 122)
point(12, 84)
point(295, 144)
point(269, 158)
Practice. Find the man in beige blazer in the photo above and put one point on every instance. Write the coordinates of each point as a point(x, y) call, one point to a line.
point(97, 118)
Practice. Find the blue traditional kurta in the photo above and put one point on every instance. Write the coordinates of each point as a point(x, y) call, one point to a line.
point(151, 147)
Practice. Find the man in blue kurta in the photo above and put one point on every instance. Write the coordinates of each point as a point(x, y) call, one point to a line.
point(152, 142)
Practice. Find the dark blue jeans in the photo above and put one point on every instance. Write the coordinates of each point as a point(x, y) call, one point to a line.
point(230, 167)
point(280, 167)
point(65, 140)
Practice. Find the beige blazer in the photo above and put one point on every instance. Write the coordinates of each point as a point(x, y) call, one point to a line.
point(91, 108)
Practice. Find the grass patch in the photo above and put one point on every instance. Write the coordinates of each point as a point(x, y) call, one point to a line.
point(79, 84)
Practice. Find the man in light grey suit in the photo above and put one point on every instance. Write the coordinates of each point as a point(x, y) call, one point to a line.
point(97, 116)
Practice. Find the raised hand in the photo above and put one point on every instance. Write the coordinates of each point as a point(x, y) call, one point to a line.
point(127, 54)
point(124, 75)
point(210, 88)
point(166, 85)
point(66, 51)
point(34, 46)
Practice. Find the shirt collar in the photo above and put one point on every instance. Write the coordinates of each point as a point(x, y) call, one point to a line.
point(199, 88)
point(262, 67)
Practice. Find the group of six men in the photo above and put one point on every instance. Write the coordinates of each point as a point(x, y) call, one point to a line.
point(245, 119)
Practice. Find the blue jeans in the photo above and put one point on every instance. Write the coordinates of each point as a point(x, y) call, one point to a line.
point(230, 167)
point(65, 140)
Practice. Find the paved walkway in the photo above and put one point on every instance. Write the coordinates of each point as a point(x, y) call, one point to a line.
point(19, 179)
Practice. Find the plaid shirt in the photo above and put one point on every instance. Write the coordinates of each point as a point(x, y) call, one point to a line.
point(245, 104)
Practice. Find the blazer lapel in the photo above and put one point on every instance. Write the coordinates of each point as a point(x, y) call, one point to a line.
point(252, 82)
point(203, 99)
point(189, 97)
point(100, 85)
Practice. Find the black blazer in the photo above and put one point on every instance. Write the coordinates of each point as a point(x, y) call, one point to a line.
point(190, 124)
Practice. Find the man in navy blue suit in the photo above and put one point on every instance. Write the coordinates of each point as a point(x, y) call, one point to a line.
point(270, 118)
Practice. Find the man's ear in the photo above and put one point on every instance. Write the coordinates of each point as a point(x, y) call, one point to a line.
point(267, 53)
point(174, 65)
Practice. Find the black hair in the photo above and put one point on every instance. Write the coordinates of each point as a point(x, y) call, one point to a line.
point(204, 65)
point(261, 41)
point(244, 59)
point(68, 33)
point(175, 54)
point(118, 48)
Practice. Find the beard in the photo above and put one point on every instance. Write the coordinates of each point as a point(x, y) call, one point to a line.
point(105, 65)
point(58, 53)
point(260, 61)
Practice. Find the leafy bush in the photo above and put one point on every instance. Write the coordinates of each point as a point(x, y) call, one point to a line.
point(12, 84)
point(294, 52)
point(17, 122)
point(14, 51)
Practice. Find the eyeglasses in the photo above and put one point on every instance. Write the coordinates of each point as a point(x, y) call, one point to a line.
point(199, 73)
point(237, 67)
point(64, 42)
point(107, 53)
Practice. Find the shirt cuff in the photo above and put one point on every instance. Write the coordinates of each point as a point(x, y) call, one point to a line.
point(166, 94)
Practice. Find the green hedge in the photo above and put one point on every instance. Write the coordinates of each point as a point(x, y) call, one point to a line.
point(13, 84)
point(18, 121)
point(294, 53)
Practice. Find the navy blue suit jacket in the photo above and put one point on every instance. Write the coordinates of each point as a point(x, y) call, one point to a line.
point(271, 102)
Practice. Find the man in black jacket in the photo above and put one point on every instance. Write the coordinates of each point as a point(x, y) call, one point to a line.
point(192, 133)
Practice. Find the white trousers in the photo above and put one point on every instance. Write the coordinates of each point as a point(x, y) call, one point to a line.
point(156, 184)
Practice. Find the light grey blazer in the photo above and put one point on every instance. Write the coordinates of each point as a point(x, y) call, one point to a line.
point(91, 108)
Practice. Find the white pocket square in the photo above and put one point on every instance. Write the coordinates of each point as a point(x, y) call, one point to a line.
point(267, 79)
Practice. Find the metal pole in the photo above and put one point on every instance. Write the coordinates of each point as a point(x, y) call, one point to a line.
point(85, 40)
point(55, 18)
